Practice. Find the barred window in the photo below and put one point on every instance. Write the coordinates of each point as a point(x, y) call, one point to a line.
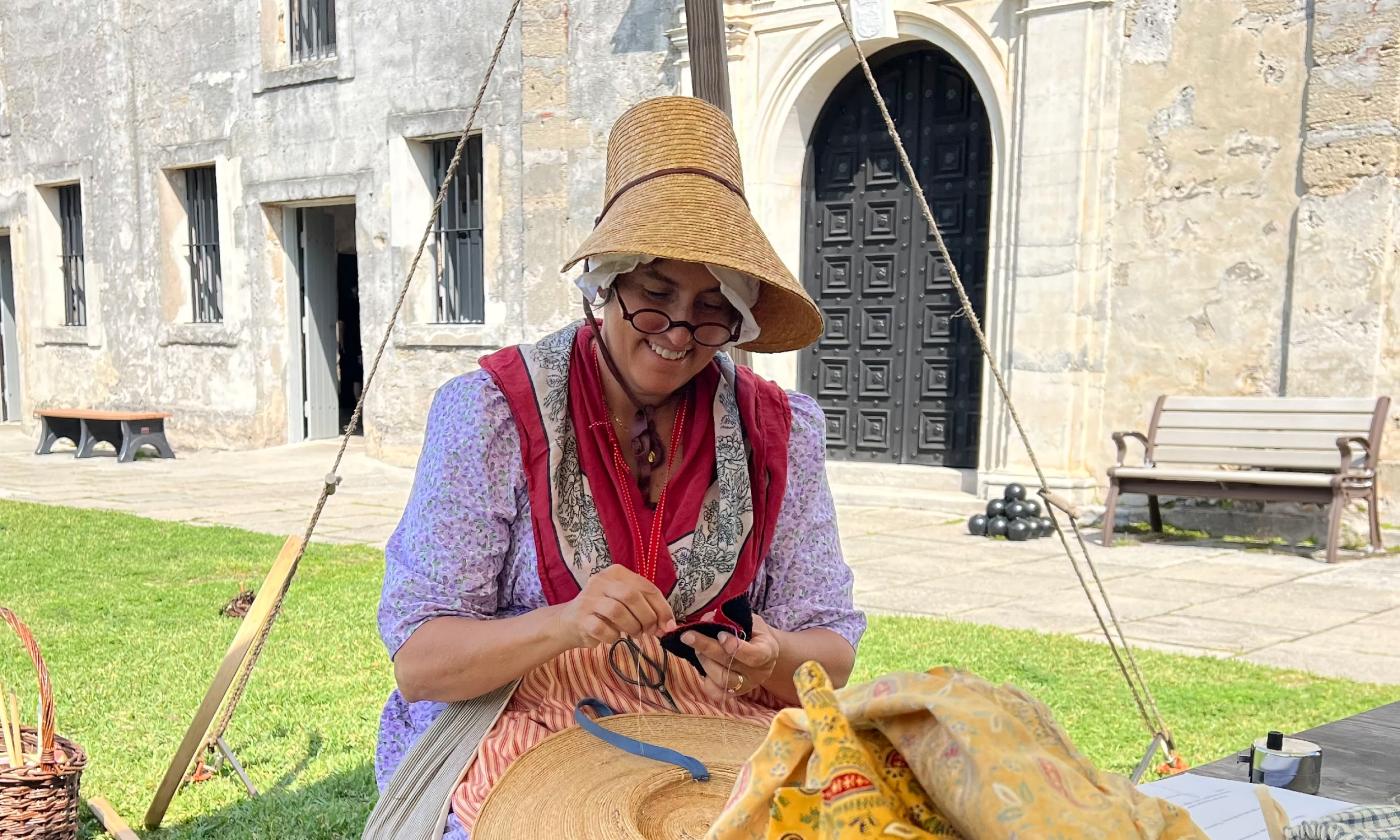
point(313, 29)
point(461, 298)
point(206, 276)
point(70, 220)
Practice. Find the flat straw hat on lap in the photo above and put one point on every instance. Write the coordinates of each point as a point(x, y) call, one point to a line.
point(675, 190)
point(574, 785)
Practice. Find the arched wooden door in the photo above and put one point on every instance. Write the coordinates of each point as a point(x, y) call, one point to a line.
point(898, 373)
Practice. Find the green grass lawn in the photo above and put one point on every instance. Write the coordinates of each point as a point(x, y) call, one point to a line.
point(127, 611)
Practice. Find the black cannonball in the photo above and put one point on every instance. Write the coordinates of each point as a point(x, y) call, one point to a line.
point(1046, 526)
point(1015, 510)
point(1018, 530)
point(1014, 493)
point(977, 525)
point(1032, 507)
point(996, 507)
point(997, 525)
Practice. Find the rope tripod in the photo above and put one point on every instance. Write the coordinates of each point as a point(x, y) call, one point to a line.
point(1127, 662)
point(215, 714)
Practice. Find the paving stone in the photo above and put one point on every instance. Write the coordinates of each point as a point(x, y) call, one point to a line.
point(1059, 564)
point(1170, 589)
point(1308, 656)
point(1017, 617)
point(1379, 639)
point(1377, 573)
point(1096, 636)
point(1308, 594)
point(1152, 555)
point(1229, 636)
point(1230, 573)
point(1254, 609)
point(1126, 607)
point(925, 600)
point(1009, 583)
point(1390, 618)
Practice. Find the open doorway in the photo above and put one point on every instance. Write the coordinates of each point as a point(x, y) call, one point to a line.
point(9, 337)
point(332, 361)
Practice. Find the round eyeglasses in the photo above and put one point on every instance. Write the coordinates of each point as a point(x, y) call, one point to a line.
point(656, 322)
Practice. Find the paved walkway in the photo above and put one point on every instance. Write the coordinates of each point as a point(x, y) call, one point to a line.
point(1199, 598)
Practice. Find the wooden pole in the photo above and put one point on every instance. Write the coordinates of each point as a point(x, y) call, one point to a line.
point(709, 70)
point(709, 60)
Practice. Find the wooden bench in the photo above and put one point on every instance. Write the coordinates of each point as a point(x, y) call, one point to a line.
point(1282, 449)
point(126, 430)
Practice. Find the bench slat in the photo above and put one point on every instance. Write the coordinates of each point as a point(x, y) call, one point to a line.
point(1261, 477)
point(1286, 458)
point(1249, 439)
point(83, 414)
point(1338, 424)
point(1315, 405)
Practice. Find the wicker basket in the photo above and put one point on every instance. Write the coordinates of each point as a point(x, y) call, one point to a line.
point(40, 802)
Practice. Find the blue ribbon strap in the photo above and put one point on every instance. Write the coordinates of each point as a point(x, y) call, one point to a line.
point(697, 771)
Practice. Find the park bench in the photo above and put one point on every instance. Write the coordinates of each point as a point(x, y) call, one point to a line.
point(126, 430)
point(1286, 449)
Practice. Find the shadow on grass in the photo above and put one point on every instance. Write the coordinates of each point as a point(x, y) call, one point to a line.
point(332, 807)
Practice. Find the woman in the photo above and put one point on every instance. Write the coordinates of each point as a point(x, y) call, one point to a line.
point(615, 483)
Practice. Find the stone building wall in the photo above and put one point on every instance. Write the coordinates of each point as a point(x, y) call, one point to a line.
point(1254, 244)
point(1208, 189)
point(120, 93)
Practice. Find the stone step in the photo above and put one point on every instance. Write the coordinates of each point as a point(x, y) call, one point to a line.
point(951, 502)
point(903, 477)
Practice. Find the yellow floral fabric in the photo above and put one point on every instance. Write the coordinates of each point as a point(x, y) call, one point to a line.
point(936, 756)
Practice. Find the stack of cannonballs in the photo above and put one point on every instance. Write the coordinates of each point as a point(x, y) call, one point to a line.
point(1012, 516)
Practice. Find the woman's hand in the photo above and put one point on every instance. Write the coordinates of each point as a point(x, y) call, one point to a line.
point(733, 666)
point(615, 602)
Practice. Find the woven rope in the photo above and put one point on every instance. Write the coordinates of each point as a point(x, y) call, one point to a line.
point(1127, 662)
point(599, 791)
point(333, 478)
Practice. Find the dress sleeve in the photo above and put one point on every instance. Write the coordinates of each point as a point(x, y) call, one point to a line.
point(446, 556)
point(805, 581)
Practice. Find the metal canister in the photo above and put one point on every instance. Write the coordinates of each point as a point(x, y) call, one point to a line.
point(1283, 762)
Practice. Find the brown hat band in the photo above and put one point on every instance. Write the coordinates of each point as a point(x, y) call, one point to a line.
point(675, 170)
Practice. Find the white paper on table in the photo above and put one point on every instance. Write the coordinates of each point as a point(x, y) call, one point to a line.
point(1228, 810)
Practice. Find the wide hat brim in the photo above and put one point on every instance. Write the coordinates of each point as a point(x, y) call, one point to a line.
point(695, 217)
point(574, 785)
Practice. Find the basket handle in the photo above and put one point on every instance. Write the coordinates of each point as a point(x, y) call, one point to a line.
point(46, 724)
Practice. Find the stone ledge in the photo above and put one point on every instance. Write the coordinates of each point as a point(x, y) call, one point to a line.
point(448, 336)
point(202, 335)
point(64, 336)
point(302, 74)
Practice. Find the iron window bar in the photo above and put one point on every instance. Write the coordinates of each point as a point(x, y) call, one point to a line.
point(70, 217)
point(312, 24)
point(457, 235)
point(206, 272)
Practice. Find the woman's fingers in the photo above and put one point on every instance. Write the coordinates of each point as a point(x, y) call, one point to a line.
point(718, 678)
point(619, 615)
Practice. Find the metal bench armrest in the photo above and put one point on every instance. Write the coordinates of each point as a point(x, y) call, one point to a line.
point(1119, 439)
point(1344, 446)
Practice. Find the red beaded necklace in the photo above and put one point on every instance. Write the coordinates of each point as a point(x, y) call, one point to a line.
point(648, 551)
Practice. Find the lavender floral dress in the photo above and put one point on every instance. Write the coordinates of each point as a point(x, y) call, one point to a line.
point(465, 545)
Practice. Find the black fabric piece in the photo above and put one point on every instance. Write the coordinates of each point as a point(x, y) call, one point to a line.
point(737, 615)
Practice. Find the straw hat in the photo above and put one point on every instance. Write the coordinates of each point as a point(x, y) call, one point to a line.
point(574, 785)
point(675, 189)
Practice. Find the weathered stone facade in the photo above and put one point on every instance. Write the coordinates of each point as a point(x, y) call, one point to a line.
point(1187, 197)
